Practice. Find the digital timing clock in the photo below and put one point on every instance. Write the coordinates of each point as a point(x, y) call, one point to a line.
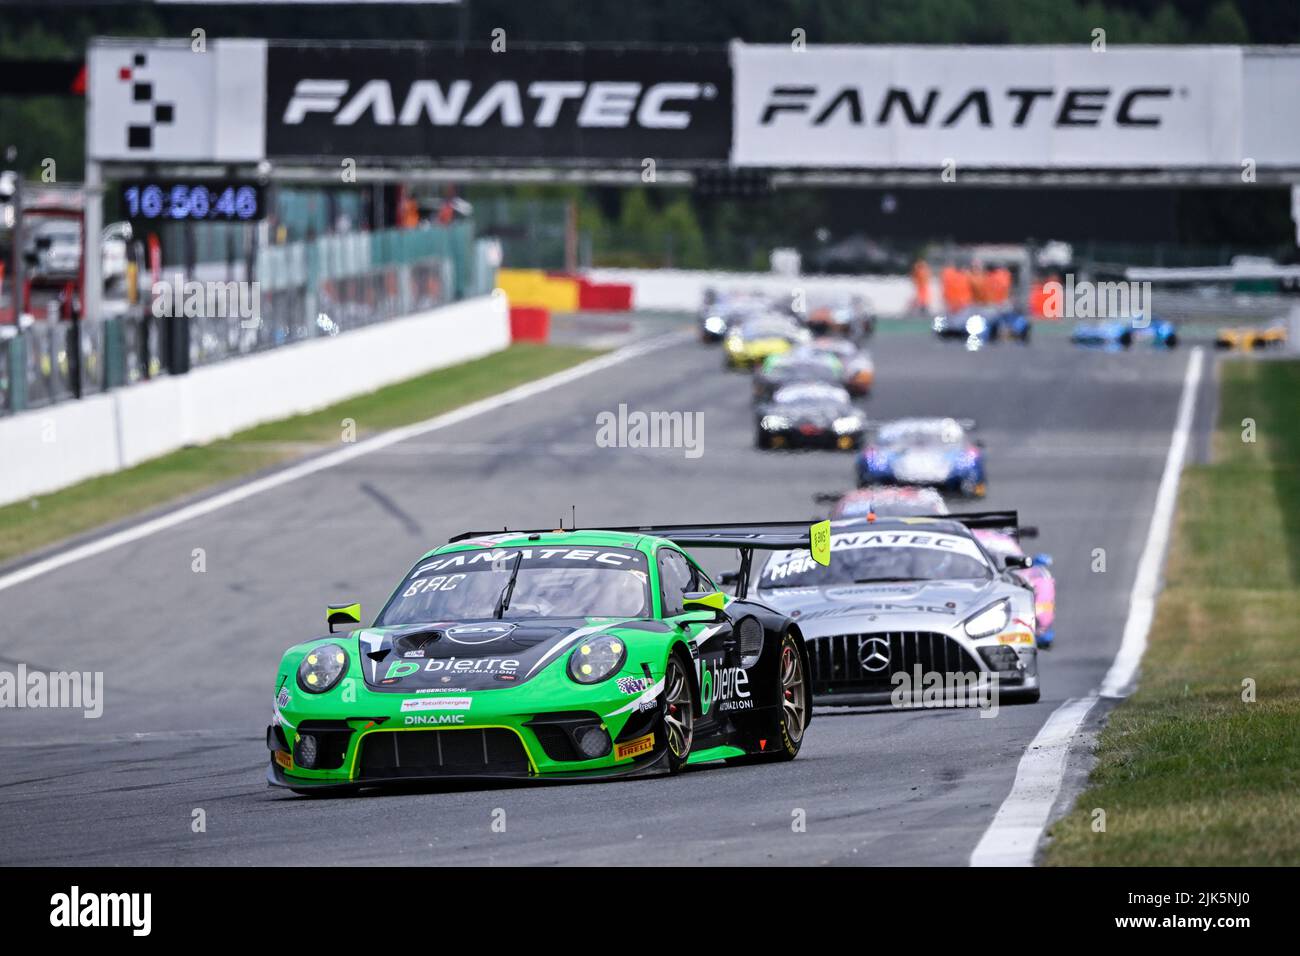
point(193, 201)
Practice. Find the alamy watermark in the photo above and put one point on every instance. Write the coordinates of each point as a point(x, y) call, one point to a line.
point(1130, 301)
point(208, 300)
point(133, 911)
point(638, 429)
point(73, 690)
point(922, 688)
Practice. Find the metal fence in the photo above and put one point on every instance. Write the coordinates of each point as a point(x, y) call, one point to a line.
point(321, 287)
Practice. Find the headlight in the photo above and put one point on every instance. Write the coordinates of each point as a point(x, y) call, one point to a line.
point(715, 325)
point(940, 323)
point(990, 620)
point(734, 343)
point(976, 325)
point(593, 661)
point(849, 423)
point(321, 668)
point(774, 423)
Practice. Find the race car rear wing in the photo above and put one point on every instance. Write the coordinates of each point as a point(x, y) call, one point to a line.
point(745, 538)
point(1008, 521)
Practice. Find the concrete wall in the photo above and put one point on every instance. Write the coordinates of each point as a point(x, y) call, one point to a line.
point(49, 448)
point(682, 290)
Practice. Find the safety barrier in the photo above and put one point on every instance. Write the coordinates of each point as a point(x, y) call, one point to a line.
point(47, 449)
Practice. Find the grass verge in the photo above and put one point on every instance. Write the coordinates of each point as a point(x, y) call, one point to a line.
point(1188, 773)
point(47, 519)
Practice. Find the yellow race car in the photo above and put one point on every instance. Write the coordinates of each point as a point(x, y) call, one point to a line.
point(761, 337)
point(1249, 338)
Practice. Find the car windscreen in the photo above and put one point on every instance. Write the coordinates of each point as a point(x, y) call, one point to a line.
point(552, 582)
point(922, 435)
point(893, 508)
point(767, 328)
point(810, 392)
point(861, 557)
point(802, 372)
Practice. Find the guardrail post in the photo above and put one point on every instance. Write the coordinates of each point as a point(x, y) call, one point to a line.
point(114, 353)
point(17, 355)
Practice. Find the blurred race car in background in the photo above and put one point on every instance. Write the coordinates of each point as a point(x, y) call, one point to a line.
point(859, 371)
point(1120, 334)
point(1006, 542)
point(935, 452)
point(884, 501)
point(904, 599)
point(721, 311)
point(810, 415)
point(795, 366)
point(851, 319)
point(1251, 337)
point(980, 325)
point(757, 338)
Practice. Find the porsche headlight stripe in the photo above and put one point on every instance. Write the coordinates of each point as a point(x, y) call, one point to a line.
point(568, 642)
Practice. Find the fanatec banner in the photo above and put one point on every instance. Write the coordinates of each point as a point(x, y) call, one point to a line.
point(565, 107)
point(412, 104)
point(1017, 107)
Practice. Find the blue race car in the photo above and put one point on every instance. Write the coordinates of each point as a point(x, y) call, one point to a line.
point(980, 326)
point(1117, 334)
point(932, 452)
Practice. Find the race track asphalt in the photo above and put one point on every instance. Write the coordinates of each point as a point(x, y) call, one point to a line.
point(1075, 440)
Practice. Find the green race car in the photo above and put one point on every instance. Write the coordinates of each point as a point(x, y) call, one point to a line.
point(547, 654)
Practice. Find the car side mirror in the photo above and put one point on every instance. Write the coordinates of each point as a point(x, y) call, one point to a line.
point(342, 614)
point(1043, 559)
point(1013, 561)
point(712, 601)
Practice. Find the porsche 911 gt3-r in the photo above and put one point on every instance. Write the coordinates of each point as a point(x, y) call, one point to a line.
point(556, 654)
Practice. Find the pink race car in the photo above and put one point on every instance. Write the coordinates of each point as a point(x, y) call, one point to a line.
point(1003, 542)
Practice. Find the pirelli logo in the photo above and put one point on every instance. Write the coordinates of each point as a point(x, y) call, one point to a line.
point(634, 748)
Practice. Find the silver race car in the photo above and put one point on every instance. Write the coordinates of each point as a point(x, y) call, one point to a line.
point(913, 611)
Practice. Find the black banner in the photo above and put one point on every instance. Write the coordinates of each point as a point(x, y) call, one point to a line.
point(430, 104)
point(1229, 909)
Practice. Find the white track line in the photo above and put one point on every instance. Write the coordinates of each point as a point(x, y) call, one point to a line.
point(329, 460)
point(1012, 838)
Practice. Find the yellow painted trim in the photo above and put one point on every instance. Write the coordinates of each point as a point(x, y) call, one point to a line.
point(713, 599)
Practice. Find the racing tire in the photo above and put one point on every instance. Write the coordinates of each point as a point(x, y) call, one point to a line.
point(761, 440)
point(1171, 341)
point(677, 713)
point(785, 728)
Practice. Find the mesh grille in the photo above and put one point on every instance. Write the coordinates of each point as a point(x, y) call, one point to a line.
point(428, 753)
point(867, 662)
